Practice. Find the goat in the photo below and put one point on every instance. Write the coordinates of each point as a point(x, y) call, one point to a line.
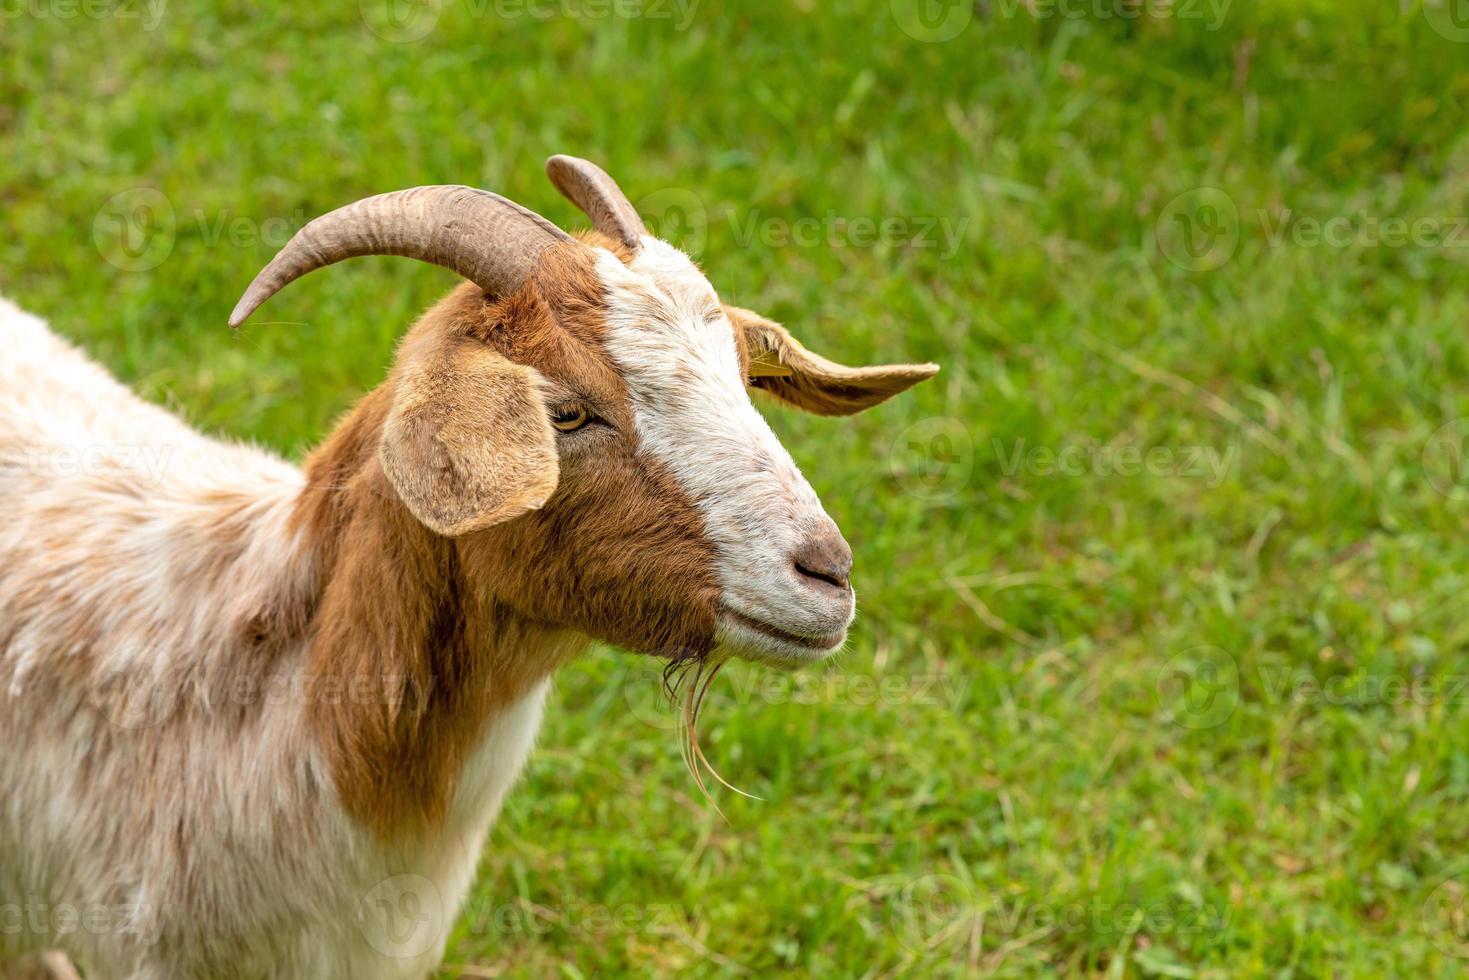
point(250, 712)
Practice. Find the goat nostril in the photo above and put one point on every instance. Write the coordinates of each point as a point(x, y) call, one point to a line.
point(840, 581)
point(826, 558)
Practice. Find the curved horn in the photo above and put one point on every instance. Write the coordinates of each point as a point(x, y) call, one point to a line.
point(487, 239)
point(588, 187)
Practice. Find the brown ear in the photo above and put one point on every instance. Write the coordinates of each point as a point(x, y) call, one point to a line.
point(468, 443)
point(780, 365)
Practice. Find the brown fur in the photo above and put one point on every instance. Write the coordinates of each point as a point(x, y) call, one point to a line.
point(453, 629)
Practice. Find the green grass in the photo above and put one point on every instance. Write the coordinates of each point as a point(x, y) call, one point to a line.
point(1016, 767)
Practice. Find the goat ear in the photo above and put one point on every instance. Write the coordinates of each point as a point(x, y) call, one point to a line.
point(468, 443)
point(780, 365)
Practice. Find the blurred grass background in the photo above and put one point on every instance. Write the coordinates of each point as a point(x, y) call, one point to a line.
point(1090, 723)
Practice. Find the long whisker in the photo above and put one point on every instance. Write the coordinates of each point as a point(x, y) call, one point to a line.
point(702, 690)
point(689, 736)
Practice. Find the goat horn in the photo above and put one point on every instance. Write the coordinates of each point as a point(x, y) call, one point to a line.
point(588, 187)
point(493, 242)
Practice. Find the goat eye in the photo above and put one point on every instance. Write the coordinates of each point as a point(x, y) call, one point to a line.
point(570, 417)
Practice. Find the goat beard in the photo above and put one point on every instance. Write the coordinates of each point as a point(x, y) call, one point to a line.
point(686, 682)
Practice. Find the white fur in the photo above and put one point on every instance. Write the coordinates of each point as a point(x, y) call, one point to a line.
point(676, 351)
point(149, 844)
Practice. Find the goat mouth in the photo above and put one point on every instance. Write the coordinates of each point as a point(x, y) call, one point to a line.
point(814, 643)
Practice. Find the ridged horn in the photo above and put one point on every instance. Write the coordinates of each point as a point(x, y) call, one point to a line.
point(491, 241)
point(588, 187)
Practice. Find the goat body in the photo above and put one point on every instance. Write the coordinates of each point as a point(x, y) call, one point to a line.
point(166, 806)
point(257, 720)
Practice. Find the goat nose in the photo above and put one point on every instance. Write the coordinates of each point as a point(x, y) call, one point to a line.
point(826, 557)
